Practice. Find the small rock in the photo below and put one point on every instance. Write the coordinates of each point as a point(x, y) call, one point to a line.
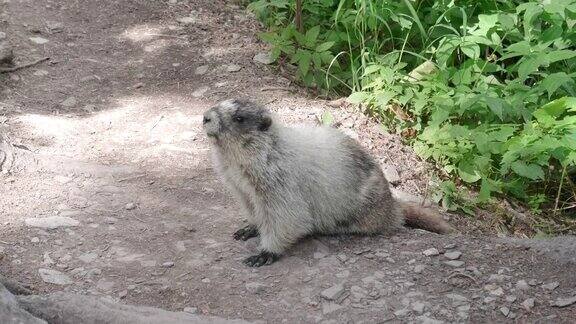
point(88, 257)
point(391, 174)
point(187, 20)
point(454, 263)
point(255, 287)
point(402, 312)
point(94, 272)
point(418, 307)
point(130, 206)
point(319, 255)
point(533, 282)
point(497, 292)
point(123, 294)
point(505, 310)
point(34, 240)
point(264, 58)
point(511, 299)
point(47, 259)
point(528, 304)
point(69, 102)
point(54, 277)
point(522, 285)
point(55, 27)
point(200, 91)
point(450, 246)
point(455, 255)
point(104, 285)
point(168, 264)
point(431, 252)
point(110, 220)
point(334, 292)
point(201, 70)
point(40, 73)
point(551, 286)
point(233, 68)
point(78, 272)
point(206, 280)
point(419, 268)
point(190, 310)
point(38, 40)
point(564, 302)
point(51, 222)
point(342, 257)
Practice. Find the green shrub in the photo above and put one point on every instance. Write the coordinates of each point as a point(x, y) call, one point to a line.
point(493, 104)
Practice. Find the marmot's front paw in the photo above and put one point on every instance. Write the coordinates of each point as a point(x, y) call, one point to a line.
point(245, 233)
point(264, 258)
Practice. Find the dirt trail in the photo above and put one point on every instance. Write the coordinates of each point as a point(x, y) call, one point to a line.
point(113, 119)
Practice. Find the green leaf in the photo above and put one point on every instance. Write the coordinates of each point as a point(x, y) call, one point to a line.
point(531, 171)
point(312, 35)
point(528, 66)
point(304, 62)
point(495, 104)
point(472, 50)
point(560, 55)
point(507, 21)
point(467, 172)
point(554, 81)
point(324, 46)
point(357, 97)
point(327, 118)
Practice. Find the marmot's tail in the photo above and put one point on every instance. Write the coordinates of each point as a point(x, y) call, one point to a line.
point(424, 218)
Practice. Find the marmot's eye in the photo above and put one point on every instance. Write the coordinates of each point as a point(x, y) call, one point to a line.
point(239, 119)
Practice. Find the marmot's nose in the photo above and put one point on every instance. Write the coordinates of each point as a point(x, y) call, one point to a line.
point(206, 120)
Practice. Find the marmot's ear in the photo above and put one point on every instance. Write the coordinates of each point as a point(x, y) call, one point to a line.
point(265, 122)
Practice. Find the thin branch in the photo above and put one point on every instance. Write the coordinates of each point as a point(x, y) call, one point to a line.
point(18, 67)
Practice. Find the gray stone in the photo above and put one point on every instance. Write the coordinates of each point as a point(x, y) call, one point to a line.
point(187, 20)
point(130, 206)
point(200, 91)
point(391, 174)
point(334, 292)
point(233, 68)
point(431, 252)
point(51, 222)
point(504, 310)
point(88, 257)
point(418, 307)
point(34, 240)
point(190, 310)
point(497, 291)
point(528, 304)
point(38, 40)
point(455, 255)
point(69, 102)
point(402, 312)
point(55, 27)
point(255, 287)
point(551, 286)
point(264, 58)
point(330, 307)
point(454, 263)
point(419, 268)
point(511, 299)
point(54, 277)
point(564, 302)
point(522, 285)
point(201, 70)
point(168, 264)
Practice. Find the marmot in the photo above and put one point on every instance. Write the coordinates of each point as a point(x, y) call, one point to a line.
point(292, 182)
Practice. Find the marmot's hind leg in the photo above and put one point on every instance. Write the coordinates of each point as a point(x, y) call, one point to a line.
point(246, 233)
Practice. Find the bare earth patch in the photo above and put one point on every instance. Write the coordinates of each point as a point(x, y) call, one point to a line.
point(120, 200)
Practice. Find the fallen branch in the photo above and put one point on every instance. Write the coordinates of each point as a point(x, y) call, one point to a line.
point(18, 67)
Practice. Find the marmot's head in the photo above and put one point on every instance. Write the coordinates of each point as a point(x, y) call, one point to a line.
point(236, 120)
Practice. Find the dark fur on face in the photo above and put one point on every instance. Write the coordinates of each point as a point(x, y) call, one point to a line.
point(236, 118)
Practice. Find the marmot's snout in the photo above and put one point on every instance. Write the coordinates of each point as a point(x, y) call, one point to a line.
point(211, 123)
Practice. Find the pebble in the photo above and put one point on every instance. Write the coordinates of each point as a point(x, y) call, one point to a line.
point(88, 257)
point(402, 312)
point(168, 264)
point(511, 299)
point(201, 70)
point(264, 58)
point(497, 292)
point(94, 272)
point(551, 286)
point(505, 310)
point(522, 285)
point(40, 73)
point(34, 240)
point(454, 263)
point(54, 276)
point(528, 304)
point(187, 20)
point(533, 282)
point(190, 310)
point(391, 174)
point(130, 206)
point(328, 308)
point(233, 68)
point(333, 293)
point(431, 252)
point(450, 246)
point(38, 40)
point(455, 255)
point(418, 307)
point(69, 102)
point(51, 222)
point(200, 91)
point(564, 302)
point(419, 268)
point(255, 287)
point(123, 294)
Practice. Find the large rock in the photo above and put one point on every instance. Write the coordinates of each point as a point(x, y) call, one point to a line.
point(10, 311)
point(64, 308)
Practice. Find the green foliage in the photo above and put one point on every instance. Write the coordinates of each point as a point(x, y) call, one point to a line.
point(489, 87)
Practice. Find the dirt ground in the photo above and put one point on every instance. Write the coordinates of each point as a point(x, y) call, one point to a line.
point(113, 123)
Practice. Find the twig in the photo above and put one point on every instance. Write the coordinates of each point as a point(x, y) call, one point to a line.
point(559, 190)
point(277, 88)
point(157, 122)
point(184, 274)
point(18, 67)
point(455, 274)
point(131, 178)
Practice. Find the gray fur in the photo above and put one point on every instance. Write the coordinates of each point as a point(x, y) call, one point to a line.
point(292, 182)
